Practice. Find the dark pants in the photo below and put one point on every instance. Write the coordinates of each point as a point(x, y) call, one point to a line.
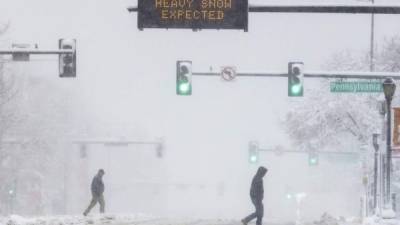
point(95, 199)
point(259, 213)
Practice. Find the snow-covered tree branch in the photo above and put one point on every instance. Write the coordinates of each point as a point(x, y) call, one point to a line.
point(322, 119)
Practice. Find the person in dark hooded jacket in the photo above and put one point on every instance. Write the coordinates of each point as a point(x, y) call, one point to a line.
point(257, 195)
point(97, 189)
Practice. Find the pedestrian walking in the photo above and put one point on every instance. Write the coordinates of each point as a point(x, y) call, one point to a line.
point(97, 189)
point(256, 196)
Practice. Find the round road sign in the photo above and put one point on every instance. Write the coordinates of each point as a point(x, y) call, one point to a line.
point(228, 73)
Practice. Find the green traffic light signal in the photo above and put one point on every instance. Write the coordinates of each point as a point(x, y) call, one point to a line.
point(183, 88)
point(289, 196)
point(184, 78)
point(312, 159)
point(296, 89)
point(11, 189)
point(295, 79)
point(253, 152)
point(253, 158)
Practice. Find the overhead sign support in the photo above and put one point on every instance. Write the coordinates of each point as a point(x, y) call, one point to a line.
point(230, 14)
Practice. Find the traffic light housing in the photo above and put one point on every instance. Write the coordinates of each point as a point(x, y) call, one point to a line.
point(184, 77)
point(11, 189)
point(67, 61)
point(313, 158)
point(295, 79)
point(159, 150)
point(11, 192)
point(289, 195)
point(253, 152)
point(83, 151)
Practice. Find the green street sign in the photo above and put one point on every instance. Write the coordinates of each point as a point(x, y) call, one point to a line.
point(356, 86)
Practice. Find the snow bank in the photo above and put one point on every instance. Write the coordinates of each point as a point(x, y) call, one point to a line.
point(327, 219)
point(379, 221)
point(75, 220)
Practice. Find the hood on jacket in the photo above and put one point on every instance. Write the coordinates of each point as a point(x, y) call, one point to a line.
point(261, 171)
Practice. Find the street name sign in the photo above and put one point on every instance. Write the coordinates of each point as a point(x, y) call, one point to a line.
point(193, 14)
point(20, 56)
point(356, 87)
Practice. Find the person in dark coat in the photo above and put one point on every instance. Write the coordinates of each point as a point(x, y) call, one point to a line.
point(97, 189)
point(257, 195)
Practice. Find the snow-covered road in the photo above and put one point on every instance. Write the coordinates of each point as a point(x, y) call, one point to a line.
point(109, 220)
point(114, 220)
point(141, 219)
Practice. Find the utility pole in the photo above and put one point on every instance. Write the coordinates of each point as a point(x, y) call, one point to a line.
point(372, 63)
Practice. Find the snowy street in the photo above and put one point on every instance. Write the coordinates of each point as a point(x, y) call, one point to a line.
point(112, 220)
point(127, 219)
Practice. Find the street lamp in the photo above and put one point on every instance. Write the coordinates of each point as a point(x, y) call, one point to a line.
point(389, 87)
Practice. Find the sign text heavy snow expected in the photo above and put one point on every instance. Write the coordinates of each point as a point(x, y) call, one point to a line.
point(193, 14)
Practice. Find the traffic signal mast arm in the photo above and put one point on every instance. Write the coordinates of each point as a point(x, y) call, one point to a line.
point(66, 55)
point(348, 75)
point(306, 152)
point(353, 75)
point(116, 142)
point(159, 145)
point(36, 52)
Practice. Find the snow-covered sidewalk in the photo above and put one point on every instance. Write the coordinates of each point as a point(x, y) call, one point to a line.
point(142, 219)
point(111, 219)
point(76, 220)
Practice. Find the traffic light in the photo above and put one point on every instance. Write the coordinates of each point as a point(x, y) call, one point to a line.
point(289, 195)
point(159, 150)
point(295, 79)
point(312, 158)
point(67, 62)
point(11, 190)
point(184, 77)
point(253, 152)
point(83, 151)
